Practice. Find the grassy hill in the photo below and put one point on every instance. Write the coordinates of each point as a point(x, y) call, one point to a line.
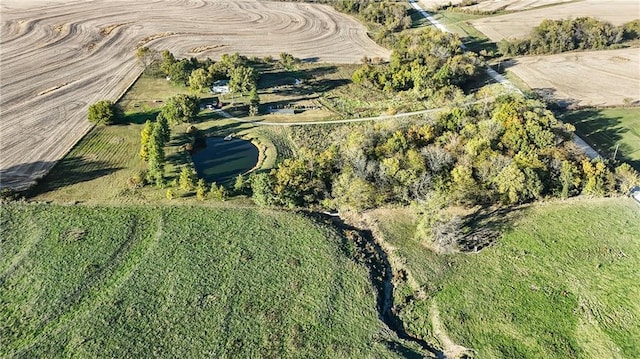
point(181, 282)
point(561, 283)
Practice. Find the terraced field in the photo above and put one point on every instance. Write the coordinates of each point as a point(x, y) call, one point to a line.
point(59, 57)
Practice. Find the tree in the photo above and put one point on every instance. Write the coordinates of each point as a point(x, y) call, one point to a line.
point(242, 79)
point(218, 193)
point(167, 61)
point(626, 178)
point(187, 179)
point(599, 180)
point(169, 194)
point(288, 61)
point(199, 80)
point(181, 108)
point(104, 112)
point(511, 182)
point(201, 190)
point(147, 56)
point(145, 137)
point(165, 131)
point(569, 178)
point(240, 184)
point(156, 157)
point(262, 188)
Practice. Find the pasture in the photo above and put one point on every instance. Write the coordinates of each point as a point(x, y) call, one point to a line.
point(182, 282)
point(561, 282)
point(62, 57)
point(606, 129)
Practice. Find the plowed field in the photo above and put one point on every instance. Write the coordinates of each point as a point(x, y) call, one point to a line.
point(58, 57)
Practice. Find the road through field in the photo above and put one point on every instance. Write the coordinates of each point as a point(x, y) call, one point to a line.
point(58, 57)
point(588, 150)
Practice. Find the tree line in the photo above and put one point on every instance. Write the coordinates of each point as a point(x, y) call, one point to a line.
point(583, 33)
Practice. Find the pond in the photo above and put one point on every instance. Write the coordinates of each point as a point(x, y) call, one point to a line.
point(221, 161)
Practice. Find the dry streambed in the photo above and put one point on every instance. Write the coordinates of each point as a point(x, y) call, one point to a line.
point(58, 57)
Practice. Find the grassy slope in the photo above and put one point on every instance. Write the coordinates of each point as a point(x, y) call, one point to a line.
point(561, 283)
point(179, 282)
point(606, 128)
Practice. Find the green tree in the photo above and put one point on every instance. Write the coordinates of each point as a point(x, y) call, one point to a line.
point(104, 112)
point(242, 79)
point(201, 190)
point(145, 137)
point(181, 108)
point(240, 185)
point(187, 179)
point(511, 183)
point(167, 61)
point(262, 189)
point(626, 178)
point(569, 178)
point(598, 179)
point(199, 80)
point(218, 193)
point(165, 131)
point(156, 157)
point(169, 194)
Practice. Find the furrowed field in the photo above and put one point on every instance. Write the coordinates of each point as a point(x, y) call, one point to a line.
point(180, 282)
point(561, 283)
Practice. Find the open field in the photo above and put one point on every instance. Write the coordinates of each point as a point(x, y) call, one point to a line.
point(560, 283)
point(58, 58)
point(519, 24)
point(604, 129)
point(182, 282)
point(590, 78)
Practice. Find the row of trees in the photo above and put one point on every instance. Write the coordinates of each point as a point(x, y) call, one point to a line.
point(153, 137)
point(425, 62)
point(513, 151)
point(583, 33)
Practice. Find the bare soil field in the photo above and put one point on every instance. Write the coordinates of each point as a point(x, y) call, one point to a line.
point(519, 24)
point(493, 5)
point(58, 57)
point(593, 78)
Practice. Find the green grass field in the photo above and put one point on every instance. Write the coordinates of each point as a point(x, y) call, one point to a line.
point(181, 282)
point(604, 129)
point(561, 283)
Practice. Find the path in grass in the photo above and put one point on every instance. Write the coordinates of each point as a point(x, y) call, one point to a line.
point(135, 281)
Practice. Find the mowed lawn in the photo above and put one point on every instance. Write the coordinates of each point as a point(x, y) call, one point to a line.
point(607, 128)
point(561, 283)
point(180, 282)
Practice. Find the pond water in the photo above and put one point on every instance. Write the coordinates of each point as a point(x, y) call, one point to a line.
point(222, 161)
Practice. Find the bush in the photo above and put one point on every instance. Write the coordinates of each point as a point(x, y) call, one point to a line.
point(104, 113)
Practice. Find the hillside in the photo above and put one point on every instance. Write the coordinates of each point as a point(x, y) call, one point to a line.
point(181, 282)
point(561, 283)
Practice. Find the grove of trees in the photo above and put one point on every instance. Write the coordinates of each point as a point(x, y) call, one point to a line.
point(513, 151)
point(426, 62)
point(583, 33)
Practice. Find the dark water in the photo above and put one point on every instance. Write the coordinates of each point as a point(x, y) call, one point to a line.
point(221, 161)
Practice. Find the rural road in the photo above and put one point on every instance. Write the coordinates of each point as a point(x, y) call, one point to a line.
point(584, 146)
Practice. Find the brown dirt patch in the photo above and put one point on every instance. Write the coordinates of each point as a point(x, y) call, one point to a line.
point(593, 78)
